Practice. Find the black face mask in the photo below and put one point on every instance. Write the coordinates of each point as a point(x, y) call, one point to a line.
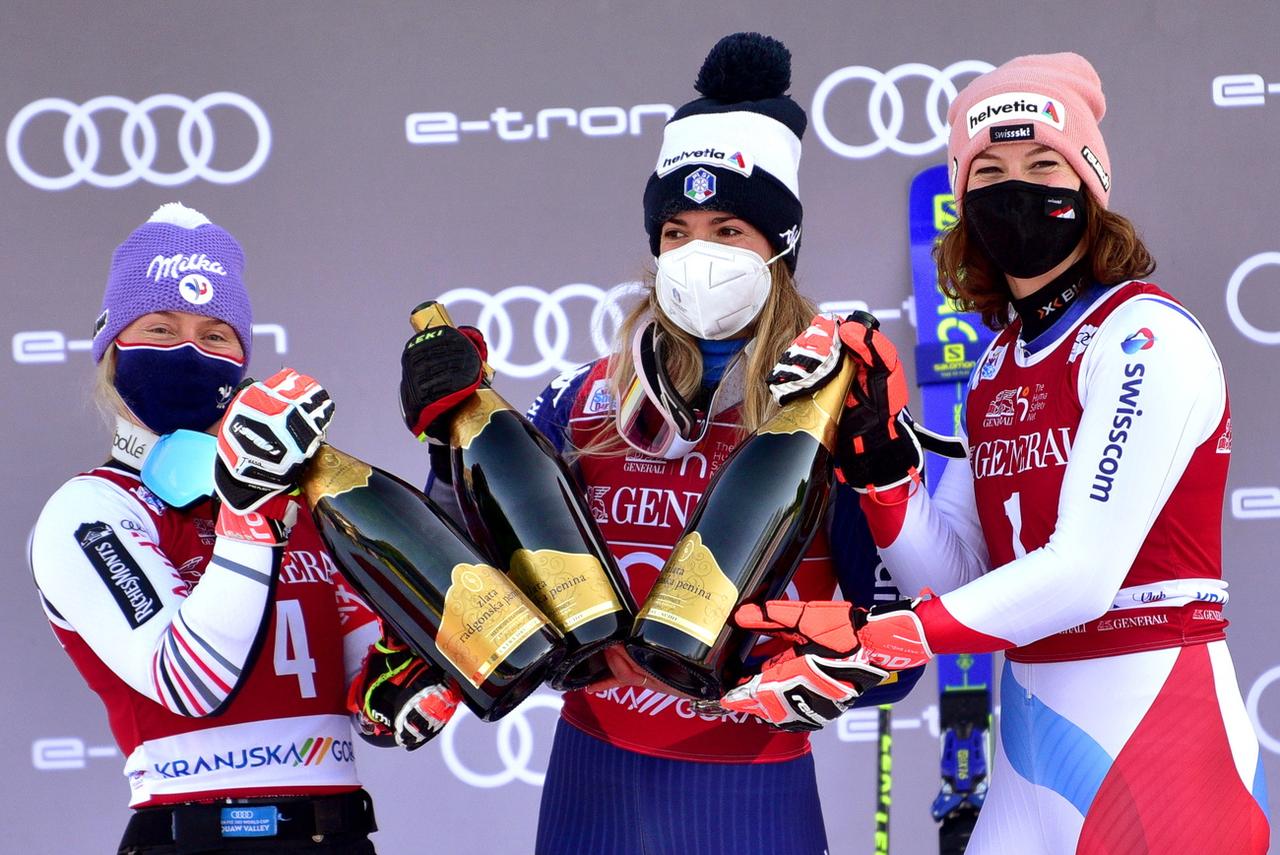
point(1026, 229)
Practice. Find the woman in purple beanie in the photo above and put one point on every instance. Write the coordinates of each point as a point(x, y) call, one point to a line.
point(230, 655)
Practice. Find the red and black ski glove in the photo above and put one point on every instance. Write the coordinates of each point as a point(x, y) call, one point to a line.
point(270, 430)
point(838, 652)
point(879, 445)
point(439, 368)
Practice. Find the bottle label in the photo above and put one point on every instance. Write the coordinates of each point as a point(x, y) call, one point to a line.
point(692, 593)
point(332, 473)
point(818, 414)
point(485, 618)
point(474, 414)
point(571, 588)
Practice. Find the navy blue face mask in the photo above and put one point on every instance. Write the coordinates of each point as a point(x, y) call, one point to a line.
point(176, 387)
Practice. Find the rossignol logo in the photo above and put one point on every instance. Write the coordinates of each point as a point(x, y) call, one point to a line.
point(445, 128)
point(737, 161)
point(1014, 105)
point(309, 752)
point(1013, 133)
point(178, 265)
point(1096, 165)
point(1121, 422)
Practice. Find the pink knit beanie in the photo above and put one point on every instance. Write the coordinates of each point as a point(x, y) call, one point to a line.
point(1052, 99)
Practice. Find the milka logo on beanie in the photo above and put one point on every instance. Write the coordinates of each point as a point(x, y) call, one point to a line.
point(173, 266)
point(1015, 105)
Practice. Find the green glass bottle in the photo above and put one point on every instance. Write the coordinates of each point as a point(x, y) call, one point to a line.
point(743, 543)
point(527, 513)
point(423, 576)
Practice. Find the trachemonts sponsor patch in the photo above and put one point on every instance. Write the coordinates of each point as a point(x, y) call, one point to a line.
point(1007, 106)
point(129, 586)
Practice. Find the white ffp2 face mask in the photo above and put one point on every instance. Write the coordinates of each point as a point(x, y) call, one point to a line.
point(711, 290)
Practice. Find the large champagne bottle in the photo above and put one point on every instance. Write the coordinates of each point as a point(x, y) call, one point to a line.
point(421, 574)
point(743, 543)
point(526, 512)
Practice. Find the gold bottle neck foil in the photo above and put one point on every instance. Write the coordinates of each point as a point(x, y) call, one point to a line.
point(331, 473)
point(474, 414)
point(818, 414)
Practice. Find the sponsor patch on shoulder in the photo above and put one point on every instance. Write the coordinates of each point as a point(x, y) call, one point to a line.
point(128, 585)
point(599, 400)
point(991, 364)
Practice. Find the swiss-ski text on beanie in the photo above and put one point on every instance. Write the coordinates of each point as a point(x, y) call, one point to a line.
point(1054, 100)
point(177, 261)
point(737, 148)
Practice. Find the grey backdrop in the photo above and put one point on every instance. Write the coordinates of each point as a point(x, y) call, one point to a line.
point(355, 208)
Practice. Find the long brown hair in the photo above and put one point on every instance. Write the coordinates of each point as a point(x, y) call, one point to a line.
point(785, 315)
point(966, 275)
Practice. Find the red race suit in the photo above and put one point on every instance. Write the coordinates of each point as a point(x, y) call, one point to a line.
point(223, 665)
point(641, 505)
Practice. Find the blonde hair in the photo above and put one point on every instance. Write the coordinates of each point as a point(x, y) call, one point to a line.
point(105, 395)
point(785, 315)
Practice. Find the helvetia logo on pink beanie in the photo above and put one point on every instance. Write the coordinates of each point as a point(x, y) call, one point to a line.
point(1054, 99)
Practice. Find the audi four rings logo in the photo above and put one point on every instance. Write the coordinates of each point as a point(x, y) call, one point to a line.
point(552, 332)
point(515, 742)
point(1248, 266)
point(884, 88)
point(139, 142)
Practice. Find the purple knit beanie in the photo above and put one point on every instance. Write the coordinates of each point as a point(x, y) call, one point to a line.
point(177, 261)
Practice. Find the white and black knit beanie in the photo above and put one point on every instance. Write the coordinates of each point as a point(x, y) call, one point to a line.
point(737, 148)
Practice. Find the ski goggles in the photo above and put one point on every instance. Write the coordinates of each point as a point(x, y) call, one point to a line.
point(179, 467)
point(653, 417)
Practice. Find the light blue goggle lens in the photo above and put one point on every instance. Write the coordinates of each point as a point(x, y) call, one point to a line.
point(179, 468)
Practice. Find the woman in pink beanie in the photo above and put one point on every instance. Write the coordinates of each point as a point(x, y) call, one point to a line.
point(1082, 536)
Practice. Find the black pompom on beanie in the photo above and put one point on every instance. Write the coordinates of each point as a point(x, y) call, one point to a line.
point(737, 148)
